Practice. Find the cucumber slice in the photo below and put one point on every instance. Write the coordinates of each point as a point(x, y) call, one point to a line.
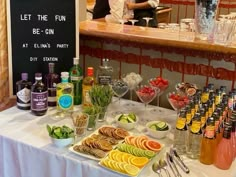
point(153, 127)
point(130, 120)
point(161, 125)
point(124, 120)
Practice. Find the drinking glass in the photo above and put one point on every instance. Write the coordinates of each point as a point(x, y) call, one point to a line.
point(133, 21)
point(132, 79)
point(120, 88)
point(146, 94)
point(161, 87)
point(147, 19)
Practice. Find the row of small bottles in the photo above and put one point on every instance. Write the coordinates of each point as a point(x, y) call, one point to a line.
point(205, 128)
point(72, 90)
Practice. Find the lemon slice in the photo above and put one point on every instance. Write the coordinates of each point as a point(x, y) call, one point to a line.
point(131, 169)
point(139, 161)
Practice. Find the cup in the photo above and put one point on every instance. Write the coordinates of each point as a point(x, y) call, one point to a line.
point(80, 121)
point(187, 29)
point(102, 114)
point(92, 121)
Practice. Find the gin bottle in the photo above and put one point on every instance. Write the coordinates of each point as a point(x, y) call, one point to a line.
point(65, 94)
point(51, 81)
point(76, 78)
point(104, 73)
point(39, 96)
point(23, 88)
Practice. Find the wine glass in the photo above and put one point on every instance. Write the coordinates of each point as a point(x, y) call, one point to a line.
point(177, 101)
point(132, 79)
point(162, 85)
point(147, 19)
point(146, 94)
point(133, 21)
point(120, 88)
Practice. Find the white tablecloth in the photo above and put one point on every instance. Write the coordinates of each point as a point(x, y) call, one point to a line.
point(26, 149)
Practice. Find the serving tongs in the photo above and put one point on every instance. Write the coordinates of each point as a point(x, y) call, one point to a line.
point(179, 161)
point(172, 165)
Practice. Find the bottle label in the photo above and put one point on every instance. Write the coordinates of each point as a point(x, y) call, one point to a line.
point(210, 112)
point(24, 95)
point(210, 131)
point(104, 80)
point(204, 97)
point(65, 101)
point(188, 118)
point(230, 103)
point(217, 100)
point(87, 97)
point(76, 78)
point(180, 124)
point(203, 120)
point(196, 127)
point(39, 101)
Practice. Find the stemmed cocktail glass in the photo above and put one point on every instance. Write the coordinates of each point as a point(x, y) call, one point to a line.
point(132, 79)
point(120, 88)
point(133, 21)
point(147, 19)
point(146, 94)
point(162, 85)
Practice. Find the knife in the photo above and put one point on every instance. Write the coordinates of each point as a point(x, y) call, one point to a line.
point(179, 160)
point(172, 165)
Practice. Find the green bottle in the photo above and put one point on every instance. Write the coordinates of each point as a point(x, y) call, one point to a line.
point(76, 78)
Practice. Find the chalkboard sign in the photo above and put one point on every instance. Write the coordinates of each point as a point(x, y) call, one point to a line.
point(42, 31)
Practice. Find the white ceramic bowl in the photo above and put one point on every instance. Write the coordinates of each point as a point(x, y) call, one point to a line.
point(127, 126)
point(158, 134)
point(61, 143)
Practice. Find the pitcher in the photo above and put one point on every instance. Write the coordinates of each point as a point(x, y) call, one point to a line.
point(205, 14)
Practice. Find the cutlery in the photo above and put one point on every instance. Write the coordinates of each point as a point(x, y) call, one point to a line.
point(163, 165)
point(157, 168)
point(179, 160)
point(172, 165)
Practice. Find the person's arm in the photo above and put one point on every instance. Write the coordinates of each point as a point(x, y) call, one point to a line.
point(143, 5)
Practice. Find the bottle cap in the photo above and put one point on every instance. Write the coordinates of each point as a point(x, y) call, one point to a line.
point(24, 76)
point(38, 74)
point(90, 71)
point(76, 61)
point(51, 64)
point(64, 74)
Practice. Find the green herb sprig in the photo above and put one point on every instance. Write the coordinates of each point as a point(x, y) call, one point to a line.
point(62, 132)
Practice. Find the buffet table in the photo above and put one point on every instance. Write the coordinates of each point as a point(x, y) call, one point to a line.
point(26, 149)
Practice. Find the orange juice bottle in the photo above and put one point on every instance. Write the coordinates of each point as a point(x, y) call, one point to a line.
point(208, 143)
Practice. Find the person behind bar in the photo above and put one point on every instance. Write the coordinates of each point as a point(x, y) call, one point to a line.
point(144, 8)
point(101, 9)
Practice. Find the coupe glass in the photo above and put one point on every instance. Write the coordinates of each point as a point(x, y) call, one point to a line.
point(161, 87)
point(120, 88)
point(146, 94)
point(147, 19)
point(132, 79)
point(177, 101)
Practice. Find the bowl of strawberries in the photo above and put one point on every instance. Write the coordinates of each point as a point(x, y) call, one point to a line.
point(160, 83)
point(177, 101)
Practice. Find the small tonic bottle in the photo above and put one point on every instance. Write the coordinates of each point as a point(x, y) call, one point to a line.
point(23, 89)
point(76, 78)
point(104, 73)
point(65, 94)
point(51, 81)
point(39, 96)
point(208, 143)
point(88, 82)
point(180, 134)
point(194, 137)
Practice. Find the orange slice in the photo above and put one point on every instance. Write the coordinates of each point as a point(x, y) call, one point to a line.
point(153, 145)
point(139, 161)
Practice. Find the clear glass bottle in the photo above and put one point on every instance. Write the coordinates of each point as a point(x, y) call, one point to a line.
point(223, 90)
point(194, 137)
point(65, 94)
point(218, 97)
point(104, 73)
point(203, 118)
point(211, 87)
point(224, 152)
point(205, 95)
point(88, 82)
point(23, 89)
point(39, 96)
point(208, 143)
point(76, 78)
point(180, 134)
point(51, 81)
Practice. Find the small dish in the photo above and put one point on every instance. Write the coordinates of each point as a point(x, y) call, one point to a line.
point(126, 122)
point(158, 133)
point(61, 143)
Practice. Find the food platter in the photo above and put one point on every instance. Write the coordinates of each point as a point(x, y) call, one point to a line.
point(130, 157)
point(100, 141)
